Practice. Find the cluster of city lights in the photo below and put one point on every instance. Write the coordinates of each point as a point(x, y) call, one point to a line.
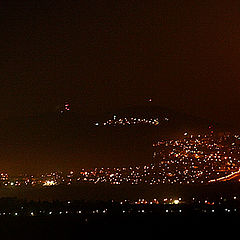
point(199, 159)
point(192, 159)
point(131, 121)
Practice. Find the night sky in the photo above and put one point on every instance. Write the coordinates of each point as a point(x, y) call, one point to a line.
point(105, 55)
point(108, 54)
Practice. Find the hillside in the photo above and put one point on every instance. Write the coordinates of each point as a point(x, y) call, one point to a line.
point(71, 140)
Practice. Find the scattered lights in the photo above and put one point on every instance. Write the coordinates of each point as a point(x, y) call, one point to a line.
point(67, 106)
point(64, 108)
point(166, 205)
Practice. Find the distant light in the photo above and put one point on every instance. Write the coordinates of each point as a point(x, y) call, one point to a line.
point(49, 183)
point(185, 134)
point(176, 201)
point(96, 124)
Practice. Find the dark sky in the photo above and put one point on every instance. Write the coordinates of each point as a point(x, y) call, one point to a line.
point(108, 54)
point(104, 55)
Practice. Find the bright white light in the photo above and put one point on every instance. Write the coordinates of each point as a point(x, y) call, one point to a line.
point(49, 183)
point(176, 201)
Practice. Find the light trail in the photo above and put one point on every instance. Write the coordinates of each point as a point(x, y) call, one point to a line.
point(226, 178)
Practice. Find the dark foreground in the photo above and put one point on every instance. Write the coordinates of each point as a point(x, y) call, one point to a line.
point(21, 219)
point(64, 212)
point(106, 192)
point(75, 227)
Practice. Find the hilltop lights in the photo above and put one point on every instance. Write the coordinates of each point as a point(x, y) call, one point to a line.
point(131, 121)
point(49, 183)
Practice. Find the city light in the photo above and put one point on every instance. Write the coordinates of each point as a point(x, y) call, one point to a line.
point(134, 121)
point(200, 159)
point(49, 183)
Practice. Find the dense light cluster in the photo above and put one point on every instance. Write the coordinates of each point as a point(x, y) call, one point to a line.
point(193, 159)
point(200, 158)
point(131, 121)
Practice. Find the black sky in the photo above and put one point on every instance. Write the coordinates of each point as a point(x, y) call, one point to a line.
point(103, 55)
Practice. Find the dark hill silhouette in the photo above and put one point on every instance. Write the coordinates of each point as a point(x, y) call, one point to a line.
point(54, 141)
